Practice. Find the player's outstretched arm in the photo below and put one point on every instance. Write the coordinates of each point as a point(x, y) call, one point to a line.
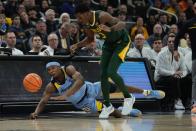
point(47, 93)
point(59, 98)
point(87, 40)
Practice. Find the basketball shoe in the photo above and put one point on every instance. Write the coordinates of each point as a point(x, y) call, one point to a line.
point(106, 111)
point(158, 94)
point(178, 105)
point(128, 105)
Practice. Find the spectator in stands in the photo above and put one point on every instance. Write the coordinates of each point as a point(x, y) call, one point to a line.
point(21, 38)
point(110, 10)
point(157, 31)
point(139, 24)
point(8, 20)
point(33, 15)
point(172, 7)
point(52, 45)
point(186, 7)
point(171, 76)
point(157, 4)
point(64, 36)
point(28, 3)
point(10, 7)
point(44, 6)
point(89, 3)
point(182, 50)
point(11, 42)
point(163, 20)
point(17, 28)
point(186, 49)
point(151, 21)
point(36, 45)
point(20, 8)
point(139, 51)
point(156, 49)
point(123, 8)
point(122, 16)
point(181, 19)
point(138, 7)
point(52, 24)
point(102, 5)
point(64, 18)
point(69, 7)
point(2, 9)
point(173, 29)
point(140, 31)
point(3, 27)
point(74, 34)
point(41, 30)
point(27, 24)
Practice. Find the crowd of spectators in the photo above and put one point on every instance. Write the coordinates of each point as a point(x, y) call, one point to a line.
point(48, 27)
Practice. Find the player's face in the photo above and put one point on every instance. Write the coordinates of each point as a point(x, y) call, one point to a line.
point(82, 18)
point(53, 71)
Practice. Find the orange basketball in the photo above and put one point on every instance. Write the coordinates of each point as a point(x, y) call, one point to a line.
point(32, 82)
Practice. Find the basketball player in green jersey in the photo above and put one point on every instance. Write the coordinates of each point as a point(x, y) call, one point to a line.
point(102, 25)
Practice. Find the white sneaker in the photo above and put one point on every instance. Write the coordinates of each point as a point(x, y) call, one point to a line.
point(106, 111)
point(128, 105)
point(178, 105)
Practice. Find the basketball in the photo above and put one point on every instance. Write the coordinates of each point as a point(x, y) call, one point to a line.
point(32, 82)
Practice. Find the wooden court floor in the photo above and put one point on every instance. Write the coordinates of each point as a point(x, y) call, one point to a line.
point(79, 121)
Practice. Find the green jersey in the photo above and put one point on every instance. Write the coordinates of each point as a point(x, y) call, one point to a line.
point(109, 37)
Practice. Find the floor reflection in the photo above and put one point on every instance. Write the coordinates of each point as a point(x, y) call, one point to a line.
point(81, 122)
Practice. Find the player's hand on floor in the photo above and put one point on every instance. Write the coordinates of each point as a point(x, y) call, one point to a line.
point(33, 115)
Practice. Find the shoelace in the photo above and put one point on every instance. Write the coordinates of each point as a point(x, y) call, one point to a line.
point(126, 103)
point(104, 108)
